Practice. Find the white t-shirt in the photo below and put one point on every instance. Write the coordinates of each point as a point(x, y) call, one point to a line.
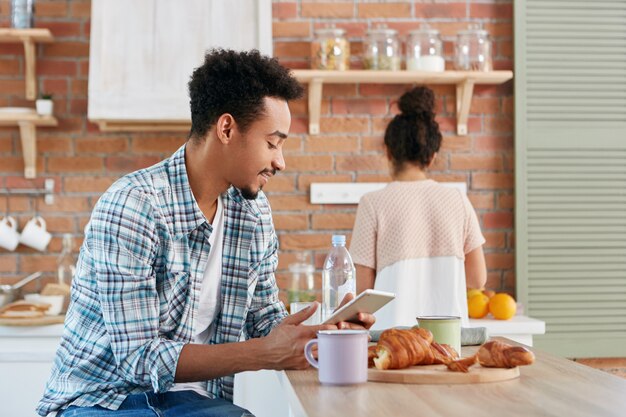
point(209, 301)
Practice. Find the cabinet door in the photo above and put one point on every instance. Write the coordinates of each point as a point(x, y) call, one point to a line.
point(570, 89)
point(144, 51)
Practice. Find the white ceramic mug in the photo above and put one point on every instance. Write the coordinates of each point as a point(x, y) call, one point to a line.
point(35, 235)
point(9, 236)
point(55, 301)
point(342, 356)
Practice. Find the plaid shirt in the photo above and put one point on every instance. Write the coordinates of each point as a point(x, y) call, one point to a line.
point(138, 278)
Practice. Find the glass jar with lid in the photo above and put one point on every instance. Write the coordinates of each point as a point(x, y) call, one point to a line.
point(472, 50)
point(330, 50)
point(382, 50)
point(302, 284)
point(425, 51)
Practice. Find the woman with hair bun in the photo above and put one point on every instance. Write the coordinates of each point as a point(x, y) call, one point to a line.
point(416, 237)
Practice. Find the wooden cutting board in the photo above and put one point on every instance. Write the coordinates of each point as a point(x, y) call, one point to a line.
point(439, 374)
point(34, 321)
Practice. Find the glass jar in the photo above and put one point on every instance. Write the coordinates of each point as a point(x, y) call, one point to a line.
point(330, 50)
point(22, 14)
point(382, 50)
point(302, 282)
point(472, 50)
point(425, 51)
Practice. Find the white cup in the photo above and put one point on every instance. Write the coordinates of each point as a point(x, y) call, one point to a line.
point(35, 234)
point(55, 301)
point(9, 236)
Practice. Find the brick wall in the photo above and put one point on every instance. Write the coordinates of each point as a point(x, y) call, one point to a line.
point(84, 161)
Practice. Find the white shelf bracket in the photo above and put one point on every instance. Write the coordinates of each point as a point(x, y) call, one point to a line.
point(464, 91)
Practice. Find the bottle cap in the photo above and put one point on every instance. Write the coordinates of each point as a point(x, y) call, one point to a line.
point(339, 240)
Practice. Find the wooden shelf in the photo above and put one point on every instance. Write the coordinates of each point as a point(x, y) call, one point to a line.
point(28, 123)
point(464, 81)
point(143, 125)
point(28, 37)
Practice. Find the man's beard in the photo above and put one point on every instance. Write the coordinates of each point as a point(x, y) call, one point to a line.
point(248, 194)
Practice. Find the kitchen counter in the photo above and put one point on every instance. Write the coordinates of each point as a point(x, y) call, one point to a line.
point(552, 386)
point(519, 328)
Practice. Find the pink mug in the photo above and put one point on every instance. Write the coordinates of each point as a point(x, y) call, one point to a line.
point(342, 356)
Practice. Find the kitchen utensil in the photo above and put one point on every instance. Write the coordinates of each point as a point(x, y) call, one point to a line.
point(8, 293)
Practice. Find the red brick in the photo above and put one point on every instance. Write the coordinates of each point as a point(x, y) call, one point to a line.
point(373, 143)
point(385, 90)
point(79, 87)
point(281, 184)
point(499, 29)
point(450, 177)
point(506, 201)
point(334, 9)
point(75, 164)
point(6, 144)
point(284, 10)
point(333, 221)
point(359, 106)
point(78, 106)
point(498, 220)
point(102, 145)
point(69, 124)
point(305, 180)
point(304, 241)
point(67, 49)
point(332, 144)
point(491, 11)
point(481, 201)
point(500, 260)
point(129, 163)
point(456, 143)
point(476, 162)
point(445, 11)
point(10, 67)
point(485, 105)
point(51, 9)
point(361, 163)
point(13, 87)
point(66, 205)
point(16, 164)
point(383, 10)
point(344, 125)
point(56, 67)
point(494, 239)
point(80, 9)
point(492, 181)
point(493, 143)
point(504, 48)
point(56, 224)
point(8, 263)
point(165, 144)
point(34, 263)
point(305, 163)
point(49, 143)
point(292, 49)
point(300, 29)
point(291, 221)
point(84, 184)
point(62, 29)
point(56, 86)
point(335, 90)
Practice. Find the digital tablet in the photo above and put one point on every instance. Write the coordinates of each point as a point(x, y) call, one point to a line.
point(369, 301)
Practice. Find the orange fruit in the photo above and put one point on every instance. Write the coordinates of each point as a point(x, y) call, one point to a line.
point(478, 306)
point(502, 306)
point(472, 292)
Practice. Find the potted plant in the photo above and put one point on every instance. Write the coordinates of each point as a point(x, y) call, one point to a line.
point(44, 104)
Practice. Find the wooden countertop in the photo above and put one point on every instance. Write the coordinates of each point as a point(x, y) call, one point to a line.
point(552, 386)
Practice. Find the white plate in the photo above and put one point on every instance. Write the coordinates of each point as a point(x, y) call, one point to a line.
point(14, 110)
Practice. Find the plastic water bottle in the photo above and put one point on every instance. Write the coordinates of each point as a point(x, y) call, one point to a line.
point(338, 276)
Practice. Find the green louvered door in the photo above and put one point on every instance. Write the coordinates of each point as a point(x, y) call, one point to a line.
point(570, 88)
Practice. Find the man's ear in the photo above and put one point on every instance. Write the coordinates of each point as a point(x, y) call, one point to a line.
point(224, 128)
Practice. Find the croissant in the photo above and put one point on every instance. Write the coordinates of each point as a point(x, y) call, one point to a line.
point(495, 354)
point(399, 349)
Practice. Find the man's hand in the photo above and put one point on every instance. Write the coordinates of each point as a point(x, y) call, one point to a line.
point(366, 320)
point(284, 346)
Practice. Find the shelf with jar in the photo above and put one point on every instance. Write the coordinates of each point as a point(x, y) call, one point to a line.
point(330, 56)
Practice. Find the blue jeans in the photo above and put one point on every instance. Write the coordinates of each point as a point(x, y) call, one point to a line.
point(169, 404)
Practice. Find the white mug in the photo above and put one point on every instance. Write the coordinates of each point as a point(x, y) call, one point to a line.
point(342, 356)
point(35, 235)
point(9, 236)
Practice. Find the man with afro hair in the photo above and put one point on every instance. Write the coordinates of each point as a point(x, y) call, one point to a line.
point(177, 265)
